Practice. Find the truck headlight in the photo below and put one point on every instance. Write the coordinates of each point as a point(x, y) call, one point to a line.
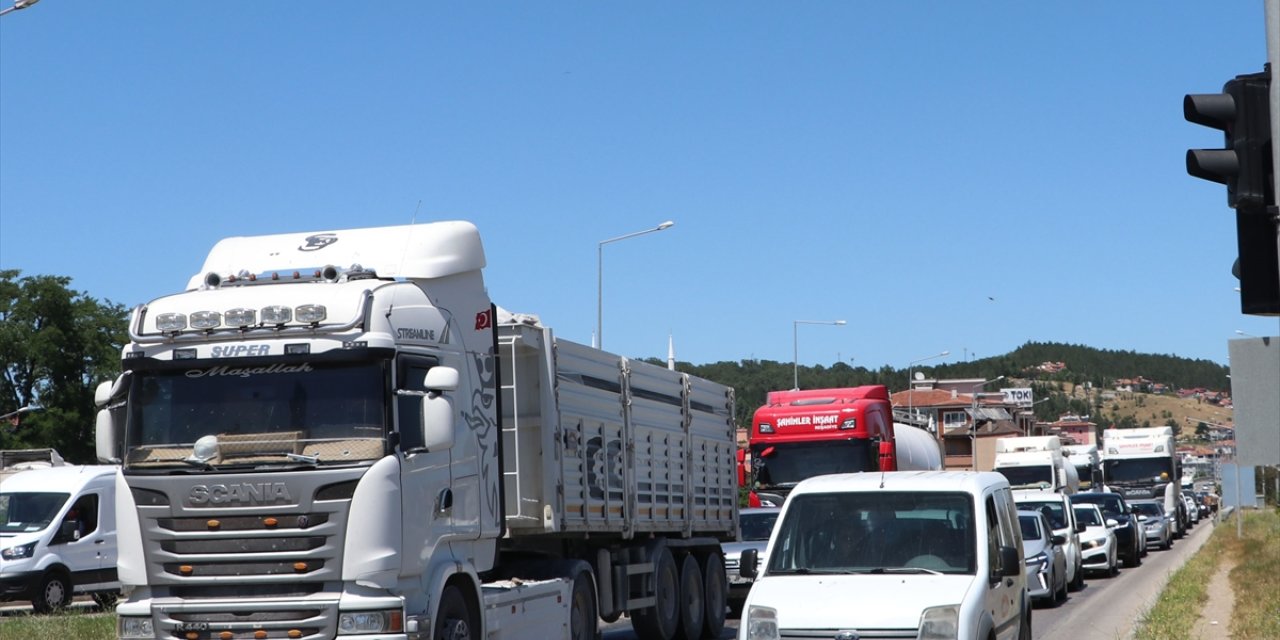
point(19, 552)
point(357, 622)
point(940, 623)
point(762, 623)
point(135, 627)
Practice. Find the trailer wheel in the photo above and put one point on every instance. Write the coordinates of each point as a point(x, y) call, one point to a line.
point(453, 617)
point(583, 611)
point(693, 606)
point(715, 592)
point(54, 593)
point(661, 621)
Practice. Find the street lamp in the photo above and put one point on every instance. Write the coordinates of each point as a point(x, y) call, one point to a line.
point(598, 342)
point(911, 391)
point(18, 4)
point(795, 346)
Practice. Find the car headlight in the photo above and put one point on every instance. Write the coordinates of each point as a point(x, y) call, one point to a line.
point(762, 623)
point(19, 552)
point(357, 622)
point(135, 627)
point(940, 623)
point(1038, 561)
point(1088, 544)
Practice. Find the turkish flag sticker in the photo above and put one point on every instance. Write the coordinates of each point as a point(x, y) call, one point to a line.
point(484, 320)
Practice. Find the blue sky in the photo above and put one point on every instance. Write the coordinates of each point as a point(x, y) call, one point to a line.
point(941, 175)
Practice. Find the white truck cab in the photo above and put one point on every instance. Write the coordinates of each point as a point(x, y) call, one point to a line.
point(927, 554)
point(58, 536)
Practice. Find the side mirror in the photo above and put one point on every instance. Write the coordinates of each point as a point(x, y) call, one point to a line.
point(104, 437)
point(747, 563)
point(1141, 518)
point(1010, 562)
point(1059, 539)
point(1111, 524)
point(437, 408)
point(1080, 527)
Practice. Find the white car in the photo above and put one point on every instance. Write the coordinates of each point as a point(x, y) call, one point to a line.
point(1098, 541)
point(1057, 509)
point(1046, 561)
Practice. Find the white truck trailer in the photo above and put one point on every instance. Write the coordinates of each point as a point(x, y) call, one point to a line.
point(1088, 463)
point(338, 433)
point(1142, 464)
point(1036, 462)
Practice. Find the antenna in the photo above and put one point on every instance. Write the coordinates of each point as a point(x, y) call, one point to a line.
point(412, 221)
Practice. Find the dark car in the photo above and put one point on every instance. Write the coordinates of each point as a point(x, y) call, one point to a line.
point(1128, 528)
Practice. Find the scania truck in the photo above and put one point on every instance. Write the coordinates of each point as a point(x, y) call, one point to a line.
point(337, 434)
point(1143, 464)
point(801, 434)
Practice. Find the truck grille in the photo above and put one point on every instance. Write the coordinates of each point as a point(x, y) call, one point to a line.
point(827, 634)
point(248, 567)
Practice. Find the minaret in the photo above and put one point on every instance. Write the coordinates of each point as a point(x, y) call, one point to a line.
point(671, 352)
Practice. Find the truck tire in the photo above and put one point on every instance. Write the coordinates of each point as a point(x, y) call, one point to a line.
point(693, 605)
point(54, 593)
point(453, 617)
point(662, 620)
point(583, 609)
point(715, 592)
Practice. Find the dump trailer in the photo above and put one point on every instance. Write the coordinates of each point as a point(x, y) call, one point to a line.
point(18, 460)
point(337, 432)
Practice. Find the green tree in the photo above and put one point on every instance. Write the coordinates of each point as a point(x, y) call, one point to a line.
point(56, 345)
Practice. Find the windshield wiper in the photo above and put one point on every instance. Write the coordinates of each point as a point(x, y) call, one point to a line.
point(905, 570)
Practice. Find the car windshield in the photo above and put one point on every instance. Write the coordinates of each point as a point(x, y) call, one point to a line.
point(787, 463)
point(876, 532)
point(25, 512)
point(1148, 508)
point(1110, 505)
point(1030, 527)
point(1056, 513)
point(1088, 517)
point(303, 412)
point(758, 525)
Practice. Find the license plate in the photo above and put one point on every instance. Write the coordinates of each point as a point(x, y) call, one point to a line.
point(739, 580)
point(193, 626)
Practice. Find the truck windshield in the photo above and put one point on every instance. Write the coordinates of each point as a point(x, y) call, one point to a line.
point(784, 464)
point(875, 532)
point(25, 512)
point(1034, 476)
point(228, 416)
point(1149, 470)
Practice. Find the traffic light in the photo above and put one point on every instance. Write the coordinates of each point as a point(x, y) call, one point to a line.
point(1242, 112)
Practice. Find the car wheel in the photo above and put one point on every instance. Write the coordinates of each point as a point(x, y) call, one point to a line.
point(54, 593)
point(1077, 583)
point(1060, 594)
point(1113, 566)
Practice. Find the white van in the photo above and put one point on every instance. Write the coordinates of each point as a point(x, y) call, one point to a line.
point(58, 536)
point(927, 554)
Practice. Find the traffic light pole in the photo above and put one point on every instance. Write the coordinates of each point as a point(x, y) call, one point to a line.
point(1271, 13)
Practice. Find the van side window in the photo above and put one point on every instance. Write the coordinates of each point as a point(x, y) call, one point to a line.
point(80, 521)
point(411, 374)
point(993, 532)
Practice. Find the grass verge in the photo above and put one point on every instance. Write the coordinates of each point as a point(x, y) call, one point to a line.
point(1255, 581)
point(73, 625)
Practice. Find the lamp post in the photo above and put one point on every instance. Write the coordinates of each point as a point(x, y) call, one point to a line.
point(795, 347)
point(598, 342)
point(18, 5)
point(911, 391)
point(973, 431)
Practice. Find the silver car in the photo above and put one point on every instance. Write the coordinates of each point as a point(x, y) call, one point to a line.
point(1045, 557)
point(755, 526)
point(1158, 524)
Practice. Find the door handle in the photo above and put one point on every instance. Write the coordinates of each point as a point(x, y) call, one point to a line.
point(1008, 582)
point(99, 541)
